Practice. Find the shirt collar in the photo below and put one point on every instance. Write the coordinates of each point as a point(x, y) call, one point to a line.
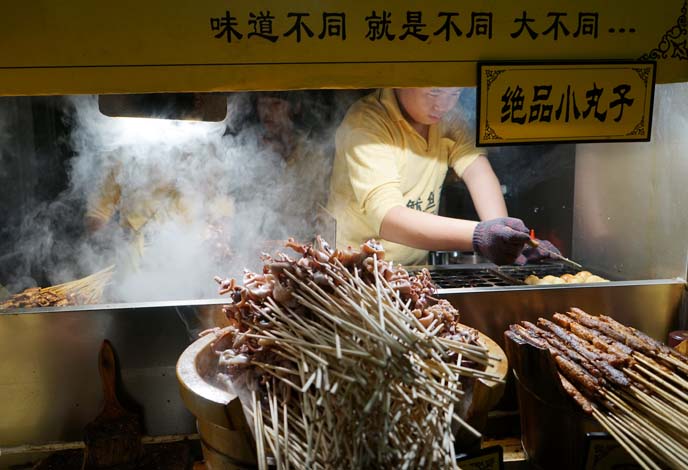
point(389, 100)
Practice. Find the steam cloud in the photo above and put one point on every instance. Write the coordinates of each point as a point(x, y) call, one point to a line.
point(221, 174)
point(210, 166)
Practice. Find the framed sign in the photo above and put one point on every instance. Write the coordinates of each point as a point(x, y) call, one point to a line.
point(525, 103)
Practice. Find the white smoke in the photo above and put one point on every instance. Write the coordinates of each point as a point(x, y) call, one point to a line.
point(232, 191)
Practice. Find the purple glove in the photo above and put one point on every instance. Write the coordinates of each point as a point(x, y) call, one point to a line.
point(500, 240)
point(535, 255)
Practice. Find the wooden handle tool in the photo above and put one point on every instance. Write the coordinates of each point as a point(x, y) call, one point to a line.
point(114, 437)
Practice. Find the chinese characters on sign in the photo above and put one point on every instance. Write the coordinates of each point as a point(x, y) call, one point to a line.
point(516, 110)
point(417, 25)
point(213, 46)
point(564, 102)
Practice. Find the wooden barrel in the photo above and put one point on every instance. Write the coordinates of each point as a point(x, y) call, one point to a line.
point(226, 439)
point(482, 395)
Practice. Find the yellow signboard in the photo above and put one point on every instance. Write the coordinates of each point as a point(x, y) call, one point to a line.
point(574, 102)
point(86, 46)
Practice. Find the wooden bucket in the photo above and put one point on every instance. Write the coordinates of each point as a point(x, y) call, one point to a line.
point(226, 439)
point(553, 427)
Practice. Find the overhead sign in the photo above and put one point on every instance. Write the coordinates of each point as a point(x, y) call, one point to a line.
point(82, 46)
point(573, 102)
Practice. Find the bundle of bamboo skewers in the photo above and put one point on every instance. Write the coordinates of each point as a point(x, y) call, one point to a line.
point(633, 385)
point(346, 361)
point(87, 290)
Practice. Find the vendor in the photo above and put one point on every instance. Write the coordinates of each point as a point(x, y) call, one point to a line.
point(290, 128)
point(144, 204)
point(135, 209)
point(393, 150)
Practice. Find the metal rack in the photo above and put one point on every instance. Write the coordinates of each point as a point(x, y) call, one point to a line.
point(470, 276)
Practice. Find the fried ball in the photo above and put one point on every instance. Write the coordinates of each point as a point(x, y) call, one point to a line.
point(594, 278)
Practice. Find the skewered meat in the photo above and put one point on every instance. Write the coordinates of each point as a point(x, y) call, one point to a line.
point(643, 401)
point(584, 345)
point(576, 395)
point(311, 337)
point(577, 375)
point(584, 349)
point(528, 337)
point(35, 297)
point(87, 290)
point(659, 346)
point(602, 342)
point(562, 320)
point(619, 334)
point(572, 354)
point(315, 264)
point(600, 359)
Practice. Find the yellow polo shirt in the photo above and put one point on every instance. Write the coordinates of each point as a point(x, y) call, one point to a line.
point(381, 162)
point(160, 203)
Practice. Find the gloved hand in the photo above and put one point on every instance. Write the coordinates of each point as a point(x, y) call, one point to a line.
point(500, 240)
point(532, 254)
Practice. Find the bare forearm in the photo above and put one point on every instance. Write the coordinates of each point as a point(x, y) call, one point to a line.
point(485, 190)
point(427, 231)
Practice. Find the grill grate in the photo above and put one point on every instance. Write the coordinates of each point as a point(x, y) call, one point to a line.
point(452, 278)
point(462, 276)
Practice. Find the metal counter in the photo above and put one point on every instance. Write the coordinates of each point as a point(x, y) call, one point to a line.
point(49, 382)
point(490, 298)
point(651, 306)
point(50, 387)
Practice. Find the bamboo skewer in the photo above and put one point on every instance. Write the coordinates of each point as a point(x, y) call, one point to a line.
point(659, 391)
point(679, 364)
point(621, 438)
point(644, 421)
point(665, 448)
point(653, 406)
point(655, 367)
point(358, 363)
point(638, 440)
point(662, 382)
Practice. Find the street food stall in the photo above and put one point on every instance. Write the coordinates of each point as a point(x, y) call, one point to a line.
point(82, 87)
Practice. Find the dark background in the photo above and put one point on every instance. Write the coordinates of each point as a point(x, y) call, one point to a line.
point(539, 190)
point(539, 182)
